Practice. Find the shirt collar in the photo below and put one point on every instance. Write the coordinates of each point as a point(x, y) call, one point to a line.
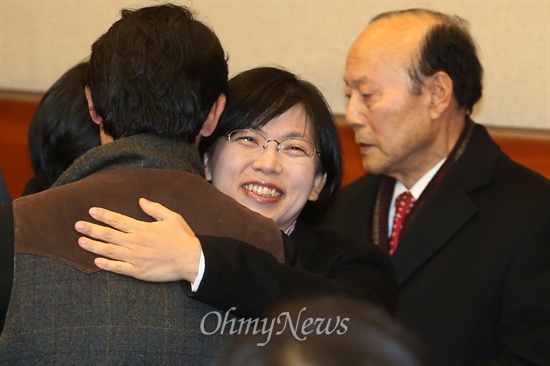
point(290, 229)
point(417, 189)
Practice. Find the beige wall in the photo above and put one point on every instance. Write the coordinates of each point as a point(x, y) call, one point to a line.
point(40, 39)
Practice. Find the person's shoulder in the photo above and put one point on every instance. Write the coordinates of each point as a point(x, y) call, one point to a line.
point(361, 182)
point(5, 197)
point(511, 169)
point(6, 214)
point(6, 259)
point(6, 227)
point(360, 187)
point(483, 164)
point(525, 186)
point(332, 240)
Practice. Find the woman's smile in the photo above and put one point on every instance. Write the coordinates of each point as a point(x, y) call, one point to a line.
point(262, 191)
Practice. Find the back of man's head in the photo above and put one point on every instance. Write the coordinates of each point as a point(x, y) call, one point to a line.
point(156, 70)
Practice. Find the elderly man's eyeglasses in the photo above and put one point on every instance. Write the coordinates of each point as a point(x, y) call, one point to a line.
point(291, 147)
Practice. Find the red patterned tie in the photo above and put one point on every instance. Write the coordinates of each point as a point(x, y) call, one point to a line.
point(403, 205)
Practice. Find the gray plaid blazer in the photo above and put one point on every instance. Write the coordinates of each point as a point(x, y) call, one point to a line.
point(64, 311)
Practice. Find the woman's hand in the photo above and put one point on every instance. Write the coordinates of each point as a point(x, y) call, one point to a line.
point(161, 251)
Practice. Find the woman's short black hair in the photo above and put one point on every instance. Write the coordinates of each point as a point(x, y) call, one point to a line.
point(261, 94)
point(61, 129)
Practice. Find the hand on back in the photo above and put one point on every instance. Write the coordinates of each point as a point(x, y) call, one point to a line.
point(160, 251)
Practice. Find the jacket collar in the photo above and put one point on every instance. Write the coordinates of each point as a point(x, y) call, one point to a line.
point(144, 150)
point(448, 207)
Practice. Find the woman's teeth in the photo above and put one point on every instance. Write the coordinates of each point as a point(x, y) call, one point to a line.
point(262, 191)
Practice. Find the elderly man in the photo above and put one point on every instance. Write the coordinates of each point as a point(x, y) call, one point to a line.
point(469, 235)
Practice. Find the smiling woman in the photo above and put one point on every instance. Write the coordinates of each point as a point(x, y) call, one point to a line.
point(274, 180)
point(276, 151)
point(281, 109)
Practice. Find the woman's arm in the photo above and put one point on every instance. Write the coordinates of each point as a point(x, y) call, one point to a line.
point(242, 276)
point(237, 274)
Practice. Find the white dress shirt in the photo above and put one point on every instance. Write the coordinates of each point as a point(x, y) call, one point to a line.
point(416, 190)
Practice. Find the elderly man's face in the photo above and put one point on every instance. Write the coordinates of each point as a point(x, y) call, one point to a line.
point(392, 126)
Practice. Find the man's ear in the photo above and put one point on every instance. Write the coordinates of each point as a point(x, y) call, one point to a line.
point(207, 171)
point(213, 116)
point(95, 117)
point(318, 184)
point(440, 89)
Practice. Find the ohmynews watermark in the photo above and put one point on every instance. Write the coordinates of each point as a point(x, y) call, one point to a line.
point(300, 327)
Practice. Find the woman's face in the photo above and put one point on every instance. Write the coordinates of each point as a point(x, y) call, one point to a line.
point(269, 182)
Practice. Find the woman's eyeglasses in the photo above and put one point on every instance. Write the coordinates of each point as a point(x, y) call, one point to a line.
point(291, 147)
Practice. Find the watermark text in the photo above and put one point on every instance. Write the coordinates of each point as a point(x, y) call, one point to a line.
point(300, 327)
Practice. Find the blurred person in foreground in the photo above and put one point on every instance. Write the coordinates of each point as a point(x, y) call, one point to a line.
point(327, 331)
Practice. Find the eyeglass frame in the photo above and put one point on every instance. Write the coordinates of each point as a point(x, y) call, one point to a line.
point(279, 143)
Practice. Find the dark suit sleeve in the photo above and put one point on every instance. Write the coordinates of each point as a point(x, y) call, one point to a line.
point(250, 279)
point(6, 260)
point(524, 329)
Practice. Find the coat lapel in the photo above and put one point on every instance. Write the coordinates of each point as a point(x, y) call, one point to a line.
point(449, 206)
point(444, 213)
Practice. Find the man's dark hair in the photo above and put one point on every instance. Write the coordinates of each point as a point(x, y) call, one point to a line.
point(157, 70)
point(449, 47)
